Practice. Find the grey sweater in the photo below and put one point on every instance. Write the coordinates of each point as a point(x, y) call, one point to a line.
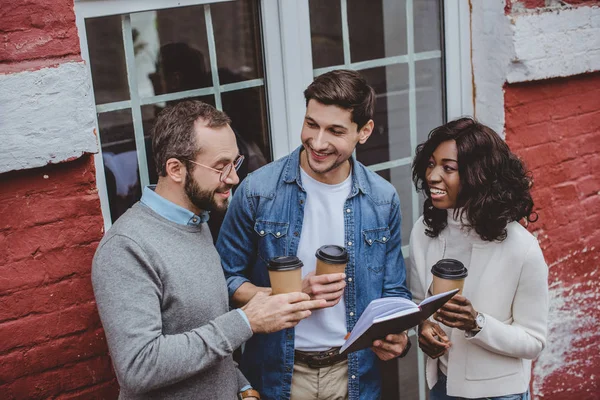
point(163, 302)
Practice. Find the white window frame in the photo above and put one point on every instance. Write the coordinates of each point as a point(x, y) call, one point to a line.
point(288, 70)
point(273, 67)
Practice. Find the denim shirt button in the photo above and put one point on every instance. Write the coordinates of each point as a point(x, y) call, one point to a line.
point(348, 210)
point(296, 233)
point(351, 314)
point(353, 376)
point(349, 279)
point(262, 232)
point(288, 369)
point(349, 243)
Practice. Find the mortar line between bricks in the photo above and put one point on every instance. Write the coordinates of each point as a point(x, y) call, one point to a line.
point(38, 314)
point(67, 336)
point(58, 367)
point(44, 284)
point(57, 249)
point(83, 389)
point(34, 314)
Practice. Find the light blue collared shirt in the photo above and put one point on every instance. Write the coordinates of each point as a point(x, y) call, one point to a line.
point(174, 213)
point(169, 210)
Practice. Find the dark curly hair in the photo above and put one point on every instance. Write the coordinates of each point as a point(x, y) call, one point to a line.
point(494, 182)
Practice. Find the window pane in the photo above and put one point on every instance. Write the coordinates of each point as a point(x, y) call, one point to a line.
point(171, 50)
point(239, 50)
point(120, 160)
point(427, 25)
point(391, 138)
point(400, 177)
point(107, 59)
point(248, 111)
point(149, 114)
point(430, 108)
point(326, 33)
point(377, 29)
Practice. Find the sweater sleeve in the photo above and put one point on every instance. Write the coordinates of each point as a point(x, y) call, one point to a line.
point(524, 336)
point(128, 292)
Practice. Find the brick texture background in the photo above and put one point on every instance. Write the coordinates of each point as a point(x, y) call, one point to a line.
point(51, 341)
point(554, 126)
point(37, 33)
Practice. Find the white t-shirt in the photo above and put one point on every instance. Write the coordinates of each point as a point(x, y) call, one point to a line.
point(323, 224)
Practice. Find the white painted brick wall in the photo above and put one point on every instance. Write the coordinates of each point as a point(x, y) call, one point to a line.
point(46, 116)
point(555, 44)
point(528, 46)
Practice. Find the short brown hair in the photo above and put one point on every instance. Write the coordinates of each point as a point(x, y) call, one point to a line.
point(173, 135)
point(346, 89)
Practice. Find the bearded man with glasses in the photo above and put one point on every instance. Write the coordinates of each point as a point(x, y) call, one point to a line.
point(157, 277)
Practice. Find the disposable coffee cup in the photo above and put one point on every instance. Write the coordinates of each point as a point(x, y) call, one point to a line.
point(448, 274)
point(331, 259)
point(286, 274)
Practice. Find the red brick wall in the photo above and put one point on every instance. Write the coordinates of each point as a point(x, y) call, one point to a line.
point(51, 341)
point(37, 33)
point(555, 126)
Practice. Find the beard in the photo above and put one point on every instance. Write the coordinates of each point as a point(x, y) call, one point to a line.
point(203, 199)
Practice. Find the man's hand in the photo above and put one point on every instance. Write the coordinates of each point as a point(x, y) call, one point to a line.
point(329, 287)
point(391, 347)
point(433, 340)
point(273, 313)
point(458, 313)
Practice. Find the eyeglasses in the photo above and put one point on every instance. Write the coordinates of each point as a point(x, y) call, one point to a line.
point(226, 170)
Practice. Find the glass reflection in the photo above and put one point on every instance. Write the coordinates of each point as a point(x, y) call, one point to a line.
point(401, 179)
point(391, 136)
point(326, 33)
point(377, 29)
point(120, 161)
point(107, 59)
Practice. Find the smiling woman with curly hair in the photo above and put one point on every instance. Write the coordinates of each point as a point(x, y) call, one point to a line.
point(482, 341)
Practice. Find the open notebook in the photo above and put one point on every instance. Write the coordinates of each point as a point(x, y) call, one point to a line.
point(391, 315)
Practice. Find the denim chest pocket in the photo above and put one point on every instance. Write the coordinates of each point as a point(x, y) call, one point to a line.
point(375, 248)
point(272, 239)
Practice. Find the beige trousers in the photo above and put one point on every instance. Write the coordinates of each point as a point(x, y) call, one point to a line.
point(327, 383)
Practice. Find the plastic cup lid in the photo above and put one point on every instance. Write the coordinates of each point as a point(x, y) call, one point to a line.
point(332, 254)
point(284, 263)
point(449, 269)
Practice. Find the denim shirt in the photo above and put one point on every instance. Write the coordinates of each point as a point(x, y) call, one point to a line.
point(264, 220)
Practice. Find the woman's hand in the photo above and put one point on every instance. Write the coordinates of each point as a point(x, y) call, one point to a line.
point(433, 340)
point(458, 313)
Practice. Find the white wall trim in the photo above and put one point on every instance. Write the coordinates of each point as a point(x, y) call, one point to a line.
point(555, 44)
point(46, 117)
point(528, 46)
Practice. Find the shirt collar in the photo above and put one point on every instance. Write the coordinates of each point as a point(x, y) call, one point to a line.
point(169, 210)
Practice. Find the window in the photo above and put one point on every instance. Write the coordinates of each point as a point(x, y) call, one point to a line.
point(142, 61)
point(253, 59)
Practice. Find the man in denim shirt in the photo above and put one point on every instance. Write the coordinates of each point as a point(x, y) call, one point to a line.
point(319, 195)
